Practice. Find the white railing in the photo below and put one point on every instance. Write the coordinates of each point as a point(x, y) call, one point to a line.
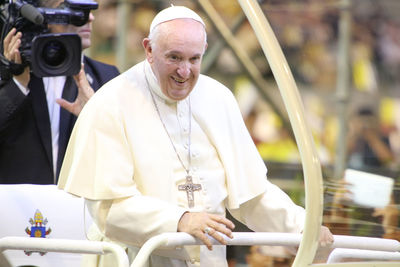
point(341, 254)
point(379, 246)
point(64, 246)
point(344, 247)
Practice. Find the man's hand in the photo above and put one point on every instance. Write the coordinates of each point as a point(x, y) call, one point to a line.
point(325, 239)
point(197, 223)
point(325, 236)
point(11, 44)
point(85, 92)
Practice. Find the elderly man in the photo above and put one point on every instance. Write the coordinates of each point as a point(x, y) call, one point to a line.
point(162, 149)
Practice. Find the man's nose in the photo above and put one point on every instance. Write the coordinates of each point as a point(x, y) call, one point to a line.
point(91, 17)
point(184, 69)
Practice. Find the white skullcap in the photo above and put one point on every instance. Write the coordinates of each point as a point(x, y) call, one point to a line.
point(174, 12)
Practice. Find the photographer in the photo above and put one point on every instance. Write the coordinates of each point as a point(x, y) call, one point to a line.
point(368, 146)
point(34, 129)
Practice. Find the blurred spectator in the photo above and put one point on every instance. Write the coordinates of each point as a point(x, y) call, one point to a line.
point(389, 51)
point(368, 146)
point(364, 71)
point(390, 220)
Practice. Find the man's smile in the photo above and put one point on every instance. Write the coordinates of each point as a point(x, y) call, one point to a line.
point(179, 80)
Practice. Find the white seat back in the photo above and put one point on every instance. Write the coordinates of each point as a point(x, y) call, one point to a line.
point(63, 212)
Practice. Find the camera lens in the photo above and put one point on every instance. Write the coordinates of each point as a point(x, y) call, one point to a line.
point(54, 53)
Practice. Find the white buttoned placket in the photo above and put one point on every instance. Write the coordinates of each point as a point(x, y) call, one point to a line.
point(205, 166)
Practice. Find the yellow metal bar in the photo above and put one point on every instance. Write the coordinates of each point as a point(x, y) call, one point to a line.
point(291, 98)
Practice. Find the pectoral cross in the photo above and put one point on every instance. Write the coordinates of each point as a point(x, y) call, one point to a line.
point(189, 187)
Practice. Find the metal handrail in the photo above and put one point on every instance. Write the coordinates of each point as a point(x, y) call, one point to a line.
point(172, 240)
point(64, 246)
point(338, 254)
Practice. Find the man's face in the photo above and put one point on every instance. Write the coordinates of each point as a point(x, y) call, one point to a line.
point(176, 56)
point(83, 31)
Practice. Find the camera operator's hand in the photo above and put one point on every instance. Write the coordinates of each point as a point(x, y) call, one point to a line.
point(85, 92)
point(11, 45)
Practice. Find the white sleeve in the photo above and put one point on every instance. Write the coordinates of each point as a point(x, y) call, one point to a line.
point(272, 211)
point(133, 220)
point(23, 89)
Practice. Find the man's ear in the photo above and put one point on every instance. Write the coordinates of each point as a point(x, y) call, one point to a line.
point(148, 50)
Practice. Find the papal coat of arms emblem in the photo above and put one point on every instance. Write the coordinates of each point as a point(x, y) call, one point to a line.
point(37, 229)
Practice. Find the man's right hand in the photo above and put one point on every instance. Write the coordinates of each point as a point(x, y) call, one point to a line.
point(198, 223)
point(11, 45)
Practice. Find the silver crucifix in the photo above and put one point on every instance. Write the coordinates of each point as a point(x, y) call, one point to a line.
point(189, 187)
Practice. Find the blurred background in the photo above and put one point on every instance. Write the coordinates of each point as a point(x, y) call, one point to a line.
point(345, 58)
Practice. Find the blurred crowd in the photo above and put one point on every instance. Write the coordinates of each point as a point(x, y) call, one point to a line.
point(308, 32)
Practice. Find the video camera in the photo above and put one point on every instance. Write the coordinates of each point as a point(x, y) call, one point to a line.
point(47, 54)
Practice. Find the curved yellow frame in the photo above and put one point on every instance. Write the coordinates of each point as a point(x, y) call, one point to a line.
point(308, 153)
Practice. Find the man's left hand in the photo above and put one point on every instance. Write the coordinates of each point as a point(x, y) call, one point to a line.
point(325, 237)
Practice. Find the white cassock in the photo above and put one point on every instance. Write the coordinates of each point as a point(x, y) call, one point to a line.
point(121, 160)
